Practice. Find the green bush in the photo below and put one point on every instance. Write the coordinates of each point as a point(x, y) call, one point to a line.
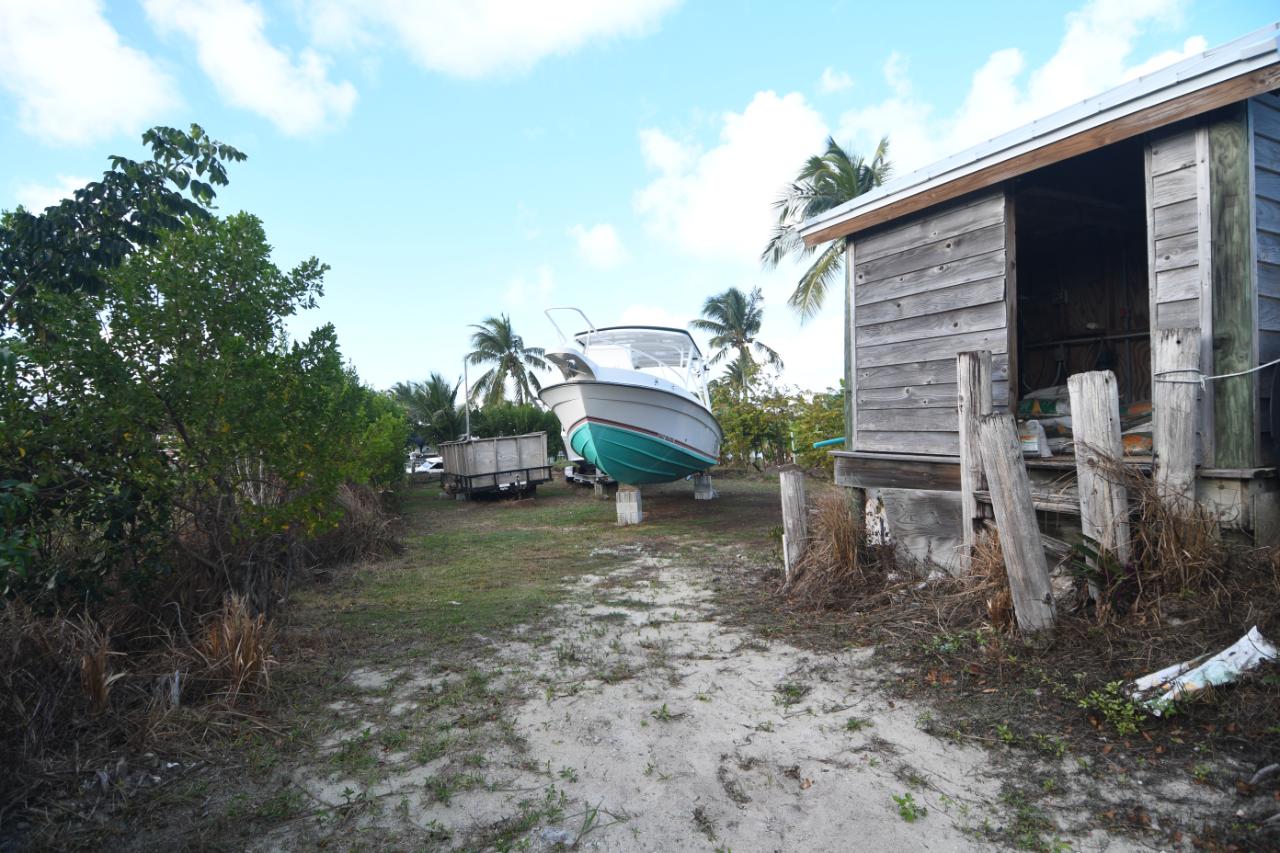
point(162, 420)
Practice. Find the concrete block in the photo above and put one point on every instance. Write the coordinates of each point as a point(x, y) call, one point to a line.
point(629, 506)
point(702, 488)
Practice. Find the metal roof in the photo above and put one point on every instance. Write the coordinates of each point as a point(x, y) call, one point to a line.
point(1254, 51)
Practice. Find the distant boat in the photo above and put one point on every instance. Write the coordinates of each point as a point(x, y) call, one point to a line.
point(634, 401)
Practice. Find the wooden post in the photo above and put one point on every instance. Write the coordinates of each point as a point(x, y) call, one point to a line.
point(1095, 424)
point(1175, 356)
point(973, 398)
point(795, 517)
point(1016, 520)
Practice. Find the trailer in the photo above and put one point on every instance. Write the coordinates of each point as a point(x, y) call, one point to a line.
point(586, 474)
point(509, 464)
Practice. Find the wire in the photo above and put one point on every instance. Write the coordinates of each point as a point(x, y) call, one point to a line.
point(1202, 379)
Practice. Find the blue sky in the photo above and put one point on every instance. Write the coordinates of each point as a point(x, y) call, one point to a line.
point(454, 160)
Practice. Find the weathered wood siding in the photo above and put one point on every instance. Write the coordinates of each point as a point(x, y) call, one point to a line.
point(1264, 122)
point(920, 292)
point(1177, 179)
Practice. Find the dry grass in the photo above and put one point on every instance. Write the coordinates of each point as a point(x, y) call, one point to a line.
point(989, 581)
point(234, 651)
point(838, 566)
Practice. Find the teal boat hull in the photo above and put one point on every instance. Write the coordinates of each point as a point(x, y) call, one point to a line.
point(636, 435)
point(634, 457)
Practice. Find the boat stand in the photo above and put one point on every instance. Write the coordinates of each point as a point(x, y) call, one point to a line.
point(702, 488)
point(628, 503)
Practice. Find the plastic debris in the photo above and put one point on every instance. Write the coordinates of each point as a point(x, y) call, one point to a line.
point(1196, 674)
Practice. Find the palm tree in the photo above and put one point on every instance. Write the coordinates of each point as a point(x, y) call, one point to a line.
point(432, 406)
point(738, 377)
point(733, 320)
point(824, 182)
point(496, 344)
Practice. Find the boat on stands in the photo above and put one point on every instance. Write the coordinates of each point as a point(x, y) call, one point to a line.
point(634, 401)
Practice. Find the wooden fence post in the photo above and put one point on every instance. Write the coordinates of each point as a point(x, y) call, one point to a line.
point(973, 399)
point(1016, 520)
point(1095, 425)
point(1175, 356)
point(795, 517)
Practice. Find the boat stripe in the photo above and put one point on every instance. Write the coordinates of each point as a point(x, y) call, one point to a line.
point(606, 422)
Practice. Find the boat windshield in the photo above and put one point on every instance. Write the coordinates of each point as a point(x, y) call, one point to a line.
point(669, 353)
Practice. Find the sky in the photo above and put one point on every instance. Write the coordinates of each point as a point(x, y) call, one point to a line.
point(455, 160)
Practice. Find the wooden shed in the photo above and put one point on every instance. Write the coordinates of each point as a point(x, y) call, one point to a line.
point(1090, 239)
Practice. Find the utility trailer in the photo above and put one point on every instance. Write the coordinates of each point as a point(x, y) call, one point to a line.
point(509, 464)
point(584, 473)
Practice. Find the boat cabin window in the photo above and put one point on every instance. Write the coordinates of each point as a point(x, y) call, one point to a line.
point(1081, 285)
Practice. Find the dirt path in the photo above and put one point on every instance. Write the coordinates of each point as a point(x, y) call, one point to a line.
point(635, 719)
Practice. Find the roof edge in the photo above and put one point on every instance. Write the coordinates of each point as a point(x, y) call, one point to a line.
point(1256, 51)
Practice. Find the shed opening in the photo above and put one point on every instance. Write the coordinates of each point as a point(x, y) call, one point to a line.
point(1081, 289)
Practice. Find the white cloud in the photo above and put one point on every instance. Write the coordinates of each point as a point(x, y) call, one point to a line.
point(1093, 55)
point(718, 202)
point(73, 79)
point(536, 289)
point(249, 71)
point(36, 197)
point(833, 81)
point(599, 245)
point(483, 37)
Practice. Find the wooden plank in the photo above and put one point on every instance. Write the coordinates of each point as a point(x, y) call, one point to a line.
point(928, 443)
point(1268, 346)
point(1266, 181)
point(1016, 520)
point(1232, 301)
point(1142, 121)
point(1268, 279)
point(1267, 151)
point(973, 401)
point(927, 255)
point(910, 352)
point(1174, 219)
point(908, 420)
point(975, 318)
point(1179, 284)
point(1172, 153)
point(863, 472)
point(1104, 502)
point(1180, 251)
point(795, 517)
point(1268, 215)
point(925, 524)
point(1173, 187)
point(1184, 314)
point(933, 301)
point(1011, 286)
point(923, 396)
point(950, 274)
point(1266, 119)
point(933, 227)
point(850, 351)
point(1268, 247)
point(941, 371)
point(1268, 313)
point(1175, 414)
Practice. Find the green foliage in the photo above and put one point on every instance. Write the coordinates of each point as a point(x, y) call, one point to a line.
point(757, 427)
point(733, 319)
point(431, 407)
point(817, 417)
point(825, 181)
point(163, 419)
point(908, 809)
point(1116, 707)
point(512, 419)
point(495, 343)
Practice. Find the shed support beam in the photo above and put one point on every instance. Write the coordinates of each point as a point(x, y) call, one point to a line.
point(1024, 558)
point(973, 398)
point(1104, 502)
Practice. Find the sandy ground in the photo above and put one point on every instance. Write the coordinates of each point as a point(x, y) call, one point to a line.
point(636, 720)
